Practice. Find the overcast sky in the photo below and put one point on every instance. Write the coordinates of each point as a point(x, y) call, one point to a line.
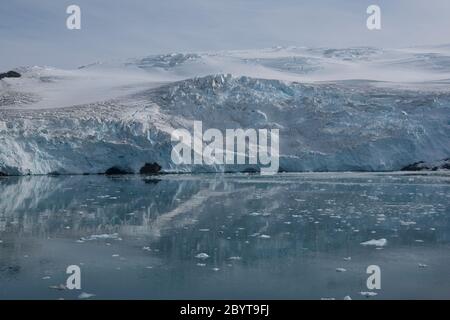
point(33, 32)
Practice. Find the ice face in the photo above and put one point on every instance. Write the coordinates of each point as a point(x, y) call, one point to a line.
point(121, 115)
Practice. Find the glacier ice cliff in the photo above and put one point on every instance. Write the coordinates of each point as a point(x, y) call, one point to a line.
point(121, 116)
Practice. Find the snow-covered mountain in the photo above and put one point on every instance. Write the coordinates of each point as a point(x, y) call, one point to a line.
point(336, 109)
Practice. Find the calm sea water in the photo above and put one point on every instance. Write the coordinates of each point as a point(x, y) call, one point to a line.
point(294, 236)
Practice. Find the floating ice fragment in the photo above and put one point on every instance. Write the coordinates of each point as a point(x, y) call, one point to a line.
point(235, 258)
point(347, 298)
point(202, 256)
point(85, 295)
point(373, 242)
point(421, 265)
point(368, 294)
point(101, 236)
point(340, 270)
point(58, 287)
point(264, 236)
point(348, 258)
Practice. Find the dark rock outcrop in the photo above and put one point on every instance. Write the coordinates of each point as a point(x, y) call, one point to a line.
point(416, 166)
point(150, 168)
point(428, 166)
point(10, 74)
point(116, 170)
point(2, 174)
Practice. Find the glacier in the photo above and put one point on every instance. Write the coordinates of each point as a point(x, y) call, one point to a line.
point(354, 109)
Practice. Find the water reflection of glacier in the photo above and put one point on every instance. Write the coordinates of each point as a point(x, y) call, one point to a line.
point(273, 237)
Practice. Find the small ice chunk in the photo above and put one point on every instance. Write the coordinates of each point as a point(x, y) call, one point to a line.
point(421, 265)
point(85, 295)
point(341, 269)
point(235, 258)
point(348, 258)
point(373, 242)
point(101, 237)
point(347, 298)
point(202, 255)
point(264, 236)
point(368, 294)
point(58, 287)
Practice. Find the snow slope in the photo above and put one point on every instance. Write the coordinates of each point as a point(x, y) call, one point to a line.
point(336, 109)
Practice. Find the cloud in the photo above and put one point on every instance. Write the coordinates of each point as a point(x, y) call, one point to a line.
point(34, 32)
